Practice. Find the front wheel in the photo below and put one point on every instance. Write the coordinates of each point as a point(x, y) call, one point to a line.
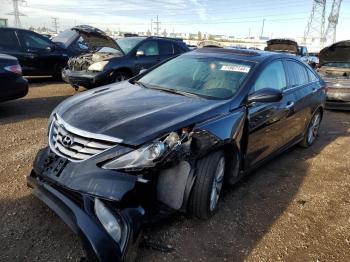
point(312, 130)
point(207, 187)
point(119, 76)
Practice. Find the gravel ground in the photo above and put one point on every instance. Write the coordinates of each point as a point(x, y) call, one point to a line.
point(296, 208)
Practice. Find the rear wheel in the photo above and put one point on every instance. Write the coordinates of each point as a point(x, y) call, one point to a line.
point(207, 187)
point(312, 130)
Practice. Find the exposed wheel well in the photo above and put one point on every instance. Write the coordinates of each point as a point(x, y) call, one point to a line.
point(124, 70)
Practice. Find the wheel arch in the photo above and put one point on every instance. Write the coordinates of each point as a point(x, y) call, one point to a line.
point(124, 70)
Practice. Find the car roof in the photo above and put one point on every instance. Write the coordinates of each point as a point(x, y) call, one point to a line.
point(256, 56)
point(14, 28)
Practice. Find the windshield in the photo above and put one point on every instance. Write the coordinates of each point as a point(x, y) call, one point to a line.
point(128, 43)
point(337, 64)
point(204, 76)
point(108, 50)
point(65, 37)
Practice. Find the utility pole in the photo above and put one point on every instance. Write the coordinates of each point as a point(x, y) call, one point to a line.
point(262, 28)
point(55, 23)
point(315, 26)
point(157, 26)
point(151, 26)
point(16, 13)
point(331, 32)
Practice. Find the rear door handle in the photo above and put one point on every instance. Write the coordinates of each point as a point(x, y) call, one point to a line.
point(289, 105)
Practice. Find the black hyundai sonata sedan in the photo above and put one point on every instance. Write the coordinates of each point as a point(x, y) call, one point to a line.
point(169, 139)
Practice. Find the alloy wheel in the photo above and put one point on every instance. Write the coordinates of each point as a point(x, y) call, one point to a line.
point(313, 128)
point(217, 184)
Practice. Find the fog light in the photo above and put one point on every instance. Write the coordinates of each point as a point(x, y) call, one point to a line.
point(108, 220)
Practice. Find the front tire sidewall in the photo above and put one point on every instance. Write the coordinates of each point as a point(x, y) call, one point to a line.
point(200, 203)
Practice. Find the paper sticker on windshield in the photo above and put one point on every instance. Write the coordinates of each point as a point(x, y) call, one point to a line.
point(236, 68)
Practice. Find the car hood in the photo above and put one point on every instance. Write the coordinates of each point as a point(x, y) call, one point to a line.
point(95, 37)
point(336, 53)
point(282, 45)
point(135, 114)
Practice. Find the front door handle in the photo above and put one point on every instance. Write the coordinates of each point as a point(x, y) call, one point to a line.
point(289, 105)
point(314, 90)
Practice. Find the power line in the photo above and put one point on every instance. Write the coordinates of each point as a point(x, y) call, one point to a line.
point(16, 13)
point(157, 26)
point(55, 23)
point(331, 32)
point(315, 26)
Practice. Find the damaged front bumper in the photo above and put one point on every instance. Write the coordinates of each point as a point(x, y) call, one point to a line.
point(78, 211)
point(86, 78)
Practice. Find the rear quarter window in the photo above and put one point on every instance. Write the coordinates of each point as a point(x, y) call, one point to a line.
point(178, 49)
point(312, 75)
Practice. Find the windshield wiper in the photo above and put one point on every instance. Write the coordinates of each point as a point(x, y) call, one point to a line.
point(141, 84)
point(173, 91)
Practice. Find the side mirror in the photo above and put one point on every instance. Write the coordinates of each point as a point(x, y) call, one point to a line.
point(266, 95)
point(140, 53)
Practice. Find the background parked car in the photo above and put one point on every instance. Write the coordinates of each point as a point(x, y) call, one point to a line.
point(12, 84)
point(38, 55)
point(108, 65)
point(291, 47)
point(335, 70)
point(313, 57)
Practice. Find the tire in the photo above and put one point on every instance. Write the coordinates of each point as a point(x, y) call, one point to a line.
point(233, 169)
point(207, 186)
point(119, 76)
point(311, 133)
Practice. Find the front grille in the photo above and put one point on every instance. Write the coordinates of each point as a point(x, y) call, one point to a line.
point(75, 144)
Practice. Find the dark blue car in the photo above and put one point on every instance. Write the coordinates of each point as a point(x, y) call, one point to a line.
point(169, 139)
point(12, 83)
point(130, 56)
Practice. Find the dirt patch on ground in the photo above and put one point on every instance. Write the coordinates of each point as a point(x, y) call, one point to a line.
point(296, 208)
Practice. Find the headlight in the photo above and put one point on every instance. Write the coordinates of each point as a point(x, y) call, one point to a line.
point(109, 221)
point(145, 156)
point(99, 66)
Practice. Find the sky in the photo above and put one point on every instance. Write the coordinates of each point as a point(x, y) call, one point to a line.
point(240, 18)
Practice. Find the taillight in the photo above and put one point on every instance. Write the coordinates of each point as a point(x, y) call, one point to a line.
point(14, 69)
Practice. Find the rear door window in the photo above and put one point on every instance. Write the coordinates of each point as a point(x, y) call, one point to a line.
point(8, 40)
point(166, 48)
point(273, 76)
point(297, 73)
